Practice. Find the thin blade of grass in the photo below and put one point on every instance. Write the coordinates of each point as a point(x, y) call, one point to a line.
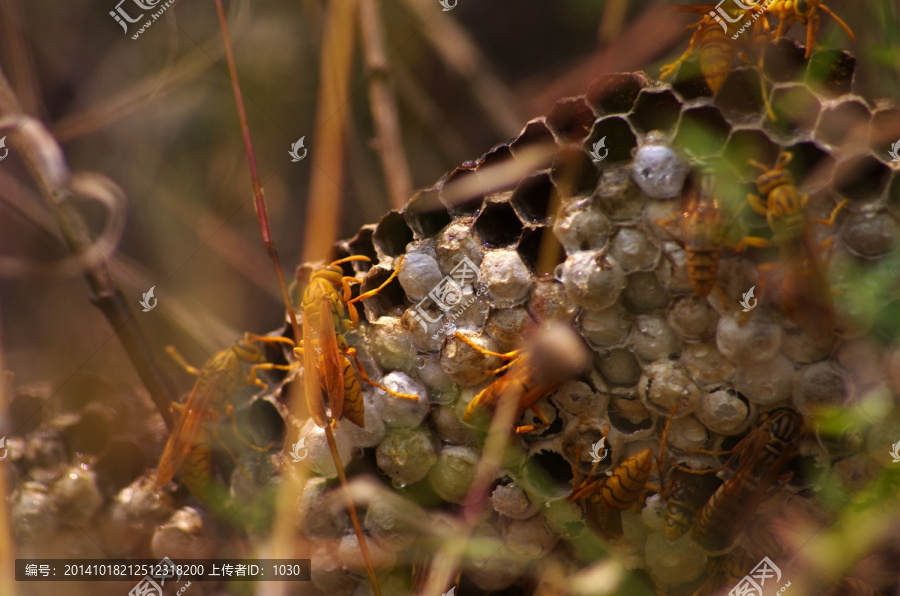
point(327, 169)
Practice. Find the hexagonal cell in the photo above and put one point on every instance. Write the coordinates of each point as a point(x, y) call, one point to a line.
point(655, 110)
point(885, 131)
point(830, 72)
point(542, 258)
point(844, 123)
point(783, 61)
point(425, 214)
point(392, 234)
point(490, 173)
point(455, 194)
point(534, 197)
point(747, 144)
point(571, 119)
point(614, 93)
point(861, 178)
point(740, 98)
point(362, 243)
point(620, 139)
point(796, 110)
point(690, 83)
point(812, 166)
point(702, 131)
point(573, 172)
point(389, 298)
point(535, 134)
point(497, 155)
point(498, 225)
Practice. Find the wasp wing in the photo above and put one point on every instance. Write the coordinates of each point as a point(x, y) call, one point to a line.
point(311, 387)
point(189, 424)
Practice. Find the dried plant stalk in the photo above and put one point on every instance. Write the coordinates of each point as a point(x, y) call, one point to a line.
point(324, 198)
point(47, 166)
point(384, 106)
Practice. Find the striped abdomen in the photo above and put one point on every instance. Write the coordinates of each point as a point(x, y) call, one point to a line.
point(196, 471)
point(627, 482)
point(716, 53)
point(702, 267)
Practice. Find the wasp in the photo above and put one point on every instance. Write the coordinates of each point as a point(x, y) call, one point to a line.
point(220, 384)
point(758, 458)
point(714, 41)
point(805, 12)
point(699, 228)
point(685, 493)
point(805, 291)
point(328, 311)
point(623, 488)
point(523, 379)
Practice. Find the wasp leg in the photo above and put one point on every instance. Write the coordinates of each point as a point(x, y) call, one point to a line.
point(669, 69)
point(177, 357)
point(384, 284)
point(527, 428)
point(838, 20)
point(753, 241)
point(504, 355)
point(362, 373)
point(351, 308)
point(254, 379)
point(832, 217)
point(229, 413)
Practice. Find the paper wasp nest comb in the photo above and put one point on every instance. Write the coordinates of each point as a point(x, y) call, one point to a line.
point(621, 281)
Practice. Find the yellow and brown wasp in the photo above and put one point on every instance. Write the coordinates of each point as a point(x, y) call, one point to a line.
point(217, 390)
point(713, 41)
point(804, 288)
point(685, 493)
point(623, 488)
point(328, 311)
point(699, 228)
point(805, 12)
point(759, 458)
point(523, 380)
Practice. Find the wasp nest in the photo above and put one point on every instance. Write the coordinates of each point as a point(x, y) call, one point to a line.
point(576, 242)
point(579, 242)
